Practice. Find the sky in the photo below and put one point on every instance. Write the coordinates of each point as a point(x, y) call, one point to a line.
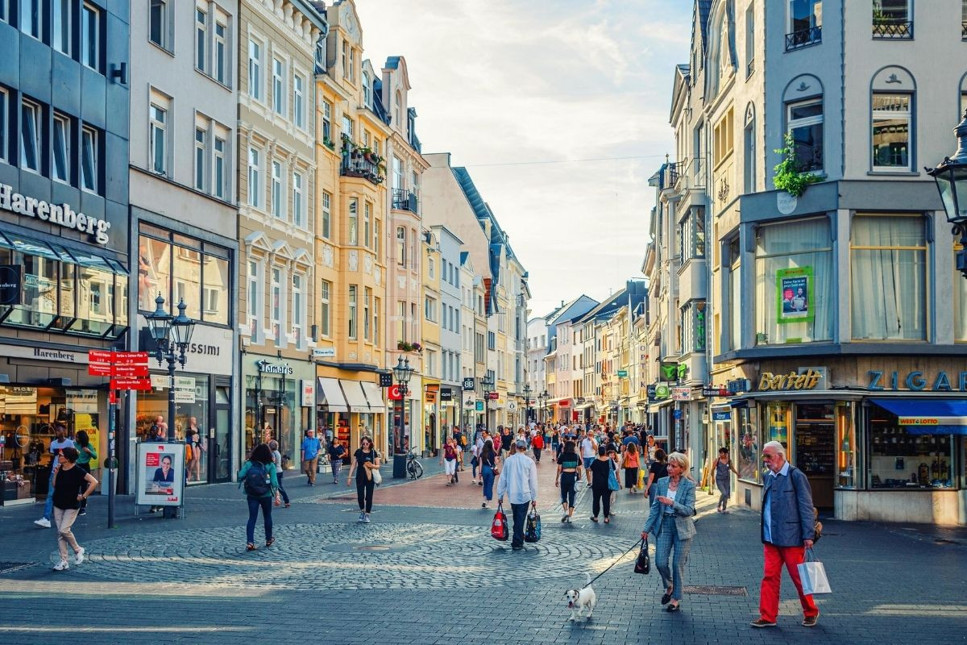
point(559, 111)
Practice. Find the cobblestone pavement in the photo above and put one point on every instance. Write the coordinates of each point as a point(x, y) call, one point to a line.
point(431, 574)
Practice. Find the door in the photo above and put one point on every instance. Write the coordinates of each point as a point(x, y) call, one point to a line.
point(220, 437)
point(814, 438)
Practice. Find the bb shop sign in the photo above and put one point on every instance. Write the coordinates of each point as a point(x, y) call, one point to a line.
point(59, 214)
point(917, 381)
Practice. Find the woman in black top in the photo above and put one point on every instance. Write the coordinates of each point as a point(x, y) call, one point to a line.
point(365, 459)
point(488, 470)
point(656, 471)
point(68, 481)
point(568, 474)
point(600, 469)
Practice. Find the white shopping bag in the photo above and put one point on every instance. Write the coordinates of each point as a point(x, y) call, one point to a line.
point(812, 574)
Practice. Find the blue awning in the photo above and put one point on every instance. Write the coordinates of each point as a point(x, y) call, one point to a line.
point(928, 416)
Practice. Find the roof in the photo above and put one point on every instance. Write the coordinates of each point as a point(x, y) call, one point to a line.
point(481, 209)
point(704, 9)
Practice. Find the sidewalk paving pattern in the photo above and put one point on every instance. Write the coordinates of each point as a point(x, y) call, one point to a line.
point(426, 571)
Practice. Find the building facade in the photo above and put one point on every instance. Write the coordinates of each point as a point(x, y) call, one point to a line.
point(451, 329)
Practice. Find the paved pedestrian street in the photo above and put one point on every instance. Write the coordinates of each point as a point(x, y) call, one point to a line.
point(427, 571)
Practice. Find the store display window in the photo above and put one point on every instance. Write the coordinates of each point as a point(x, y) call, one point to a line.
point(846, 454)
point(901, 459)
point(748, 455)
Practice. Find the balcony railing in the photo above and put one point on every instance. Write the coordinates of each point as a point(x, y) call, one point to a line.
point(893, 29)
point(361, 162)
point(669, 175)
point(804, 38)
point(404, 200)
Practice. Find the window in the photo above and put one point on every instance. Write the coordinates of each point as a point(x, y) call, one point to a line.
point(367, 312)
point(324, 301)
point(397, 173)
point(89, 159)
point(30, 135)
point(278, 199)
point(326, 214)
point(327, 123)
point(733, 261)
point(254, 178)
point(347, 126)
point(4, 120)
point(692, 234)
point(353, 221)
point(219, 61)
point(431, 268)
point(491, 340)
point(201, 38)
point(91, 37)
point(795, 291)
point(901, 457)
point(377, 233)
point(278, 86)
point(277, 307)
point(254, 292)
point(352, 311)
point(31, 17)
point(723, 138)
point(345, 58)
point(377, 303)
point(401, 318)
point(201, 150)
point(367, 91)
point(805, 23)
point(218, 171)
point(298, 200)
point(888, 278)
point(299, 101)
point(368, 225)
point(429, 309)
point(158, 126)
point(255, 70)
point(749, 40)
point(158, 23)
point(298, 310)
point(62, 149)
point(401, 246)
point(60, 26)
point(216, 286)
point(749, 151)
point(892, 19)
point(805, 125)
point(891, 131)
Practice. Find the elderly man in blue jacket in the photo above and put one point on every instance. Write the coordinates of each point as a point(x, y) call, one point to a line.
point(787, 531)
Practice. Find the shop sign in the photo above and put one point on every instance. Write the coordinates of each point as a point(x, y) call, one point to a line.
point(916, 381)
point(468, 383)
point(446, 394)
point(662, 391)
point(480, 406)
point(185, 396)
point(159, 381)
point(493, 396)
point(739, 385)
point(673, 371)
point(622, 373)
point(282, 369)
point(308, 393)
point(11, 284)
point(721, 416)
point(709, 391)
point(60, 214)
point(324, 352)
point(385, 379)
point(805, 380)
point(43, 354)
point(512, 406)
point(681, 393)
point(394, 393)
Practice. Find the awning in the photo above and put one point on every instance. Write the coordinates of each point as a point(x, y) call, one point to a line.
point(928, 416)
point(354, 396)
point(374, 394)
point(329, 395)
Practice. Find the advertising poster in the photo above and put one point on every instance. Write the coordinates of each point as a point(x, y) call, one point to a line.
point(161, 474)
point(794, 295)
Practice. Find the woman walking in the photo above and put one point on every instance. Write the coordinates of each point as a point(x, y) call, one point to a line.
point(671, 521)
point(261, 482)
point(631, 463)
point(599, 471)
point(450, 460)
point(85, 455)
point(69, 479)
point(488, 470)
point(568, 474)
point(365, 460)
point(279, 472)
point(656, 471)
point(723, 480)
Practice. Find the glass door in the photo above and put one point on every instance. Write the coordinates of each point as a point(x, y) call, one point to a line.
point(220, 437)
point(815, 449)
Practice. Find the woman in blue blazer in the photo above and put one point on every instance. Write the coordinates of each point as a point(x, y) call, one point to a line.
point(671, 521)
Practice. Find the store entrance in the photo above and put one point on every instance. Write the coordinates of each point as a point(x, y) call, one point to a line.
point(220, 450)
point(815, 432)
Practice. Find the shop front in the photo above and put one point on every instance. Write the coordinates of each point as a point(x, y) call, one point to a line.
point(275, 406)
point(432, 438)
point(449, 409)
point(348, 408)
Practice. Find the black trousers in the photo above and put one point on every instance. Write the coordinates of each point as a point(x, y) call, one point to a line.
point(364, 493)
point(600, 495)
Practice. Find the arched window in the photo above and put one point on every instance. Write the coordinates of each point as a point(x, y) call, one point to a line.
point(749, 149)
point(803, 99)
point(892, 95)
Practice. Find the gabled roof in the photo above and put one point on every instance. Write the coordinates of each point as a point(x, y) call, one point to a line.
point(633, 293)
point(704, 9)
point(481, 209)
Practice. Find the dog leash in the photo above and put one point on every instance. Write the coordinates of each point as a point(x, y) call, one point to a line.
point(633, 547)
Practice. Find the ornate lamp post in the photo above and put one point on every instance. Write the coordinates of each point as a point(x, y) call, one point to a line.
point(402, 373)
point(487, 383)
point(542, 399)
point(527, 397)
point(951, 178)
point(172, 335)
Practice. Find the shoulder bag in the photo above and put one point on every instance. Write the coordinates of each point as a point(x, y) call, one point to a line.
point(377, 476)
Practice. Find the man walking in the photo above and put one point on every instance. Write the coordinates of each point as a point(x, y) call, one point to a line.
point(787, 531)
point(310, 455)
point(518, 479)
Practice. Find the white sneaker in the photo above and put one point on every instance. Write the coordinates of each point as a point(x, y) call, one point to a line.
point(44, 522)
point(79, 556)
point(362, 517)
point(366, 518)
point(62, 566)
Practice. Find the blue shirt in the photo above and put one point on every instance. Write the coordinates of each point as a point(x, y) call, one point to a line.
point(310, 448)
point(766, 509)
point(630, 439)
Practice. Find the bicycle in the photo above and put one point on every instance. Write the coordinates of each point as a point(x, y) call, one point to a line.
point(413, 466)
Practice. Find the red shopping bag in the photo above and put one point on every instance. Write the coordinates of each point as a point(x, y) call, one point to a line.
point(498, 528)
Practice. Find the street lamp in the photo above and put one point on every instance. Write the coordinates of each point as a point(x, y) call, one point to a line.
point(487, 383)
point(402, 373)
point(951, 178)
point(527, 396)
point(171, 335)
point(542, 400)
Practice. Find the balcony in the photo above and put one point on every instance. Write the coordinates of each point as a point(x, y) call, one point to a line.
point(670, 173)
point(361, 162)
point(804, 38)
point(404, 200)
point(892, 29)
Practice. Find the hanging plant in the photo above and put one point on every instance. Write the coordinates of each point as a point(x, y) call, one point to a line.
point(789, 174)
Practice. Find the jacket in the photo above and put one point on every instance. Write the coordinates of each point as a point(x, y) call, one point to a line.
point(269, 468)
point(791, 508)
point(684, 508)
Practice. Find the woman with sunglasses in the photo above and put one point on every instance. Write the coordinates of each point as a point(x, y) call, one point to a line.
point(365, 460)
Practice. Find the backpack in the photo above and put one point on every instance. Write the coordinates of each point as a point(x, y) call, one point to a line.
point(257, 481)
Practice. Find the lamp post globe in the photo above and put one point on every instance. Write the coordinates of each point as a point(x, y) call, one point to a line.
point(951, 178)
point(172, 336)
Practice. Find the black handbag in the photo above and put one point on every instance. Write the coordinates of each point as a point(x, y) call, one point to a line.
point(643, 563)
point(532, 528)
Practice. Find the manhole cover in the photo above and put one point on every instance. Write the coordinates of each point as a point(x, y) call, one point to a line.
point(713, 590)
point(8, 567)
point(373, 547)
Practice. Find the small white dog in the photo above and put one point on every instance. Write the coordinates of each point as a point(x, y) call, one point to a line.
point(581, 600)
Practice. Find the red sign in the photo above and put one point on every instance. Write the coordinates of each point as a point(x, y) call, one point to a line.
point(130, 384)
point(394, 393)
point(130, 370)
point(96, 356)
point(100, 369)
point(130, 358)
point(493, 396)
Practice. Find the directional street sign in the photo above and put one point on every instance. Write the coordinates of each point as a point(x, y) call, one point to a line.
point(128, 370)
point(131, 370)
point(100, 369)
point(130, 384)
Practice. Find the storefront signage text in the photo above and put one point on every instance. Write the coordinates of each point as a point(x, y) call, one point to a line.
point(62, 215)
point(275, 368)
point(915, 381)
point(807, 380)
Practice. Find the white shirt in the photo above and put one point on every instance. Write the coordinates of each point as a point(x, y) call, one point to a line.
point(587, 448)
point(518, 479)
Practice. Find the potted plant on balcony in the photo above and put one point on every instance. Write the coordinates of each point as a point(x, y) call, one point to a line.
point(790, 175)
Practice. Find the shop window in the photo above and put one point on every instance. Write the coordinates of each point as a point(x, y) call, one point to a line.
point(95, 314)
point(749, 445)
point(888, 278)
point(902, 459)
point(776, 424)
point(846, 453)
point(154, 272)
point(39, 306)
point(795, 293)
point(187, 279)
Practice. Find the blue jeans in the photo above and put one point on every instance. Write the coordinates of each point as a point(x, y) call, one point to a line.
point(488, 483)
point(278, 475)
point(253, 514)
point(587, 463)
point(520, 516)
point(49, 506)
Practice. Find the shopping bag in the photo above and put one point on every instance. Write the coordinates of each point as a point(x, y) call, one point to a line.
point(641, 478)
point(812, 574)
point(532, 528)
point(613, 480)
point(643, 563)
point(498, 528)
point(377, 476)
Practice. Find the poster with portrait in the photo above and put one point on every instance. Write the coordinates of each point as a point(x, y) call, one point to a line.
point(161, 474)
point(794, 290)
